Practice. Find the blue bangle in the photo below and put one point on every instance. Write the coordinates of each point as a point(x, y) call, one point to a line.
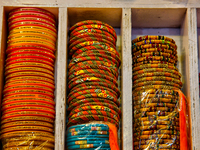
point(78, 138)
point(99, 146)
point(94, 128)
point(91, 149)
point(88, 125)
point(86, 136)
point(87, 133)
point(97, 141)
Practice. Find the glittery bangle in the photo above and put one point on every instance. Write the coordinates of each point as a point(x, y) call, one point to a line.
point(88, 35)
point(27, 118)
point(86, 118)
point(94, 47)
point(26, 123)
point(32, 9)
point(153, 37)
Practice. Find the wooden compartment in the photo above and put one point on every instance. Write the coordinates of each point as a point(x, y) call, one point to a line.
point(111, 16)
point(118, 18)
point(175, 23)
point(4, 11)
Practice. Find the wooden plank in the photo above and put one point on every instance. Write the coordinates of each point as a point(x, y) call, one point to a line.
point(29, 3)
point(104, 3)
point(61, 80)
point(100, 4)
point(193, 3)
point(194, 79)
point(124, 3)
point(191, 87)
point(3, 36)
point(127, 139)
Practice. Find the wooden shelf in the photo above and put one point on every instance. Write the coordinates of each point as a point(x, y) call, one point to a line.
point(177, 19)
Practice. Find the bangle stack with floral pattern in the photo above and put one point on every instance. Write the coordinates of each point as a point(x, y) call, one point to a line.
point(92, 79)
point(155, 100)
point(28, 111)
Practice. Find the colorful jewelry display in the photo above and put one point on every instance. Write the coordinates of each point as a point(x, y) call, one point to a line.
point(92, 83)
point(28, 108)
point(155, 102)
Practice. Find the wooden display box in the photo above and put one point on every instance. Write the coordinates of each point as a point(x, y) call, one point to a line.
point(130, 22)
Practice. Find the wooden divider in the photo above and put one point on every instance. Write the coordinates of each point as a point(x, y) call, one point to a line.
point(191, 89)
point(61, 80)
point(127, 138)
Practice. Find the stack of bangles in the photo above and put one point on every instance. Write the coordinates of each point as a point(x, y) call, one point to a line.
point(155, 98)
point(93, 75)
point(91, 136)
point(28, 107)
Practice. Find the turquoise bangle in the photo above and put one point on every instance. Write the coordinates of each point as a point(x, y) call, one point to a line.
point(88, 125)
point(86, 128)
point(86, 133)
point(99, 146)
point(91, 137)
point(96, 141)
